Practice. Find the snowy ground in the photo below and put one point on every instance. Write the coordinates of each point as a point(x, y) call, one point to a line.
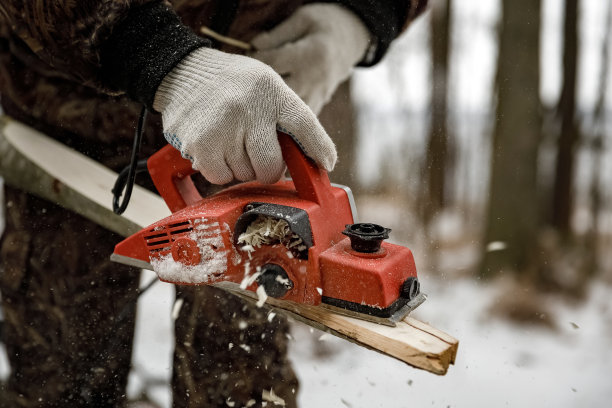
point(498, 364)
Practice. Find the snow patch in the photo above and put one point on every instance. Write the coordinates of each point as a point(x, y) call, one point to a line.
point(212, 251)
point(496, 246)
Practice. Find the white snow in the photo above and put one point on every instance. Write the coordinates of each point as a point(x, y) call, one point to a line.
point(496, 246)
point(498, 363)
point(270, 396)
point(262, 296)
point(153, 342)
point(213, 254)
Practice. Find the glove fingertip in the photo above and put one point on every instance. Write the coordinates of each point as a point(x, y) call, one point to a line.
point(327, 157)
point(274, 176)
point(272, 172)
point(216, 173)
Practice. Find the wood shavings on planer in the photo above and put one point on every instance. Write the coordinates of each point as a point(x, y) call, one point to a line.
point(267, 230)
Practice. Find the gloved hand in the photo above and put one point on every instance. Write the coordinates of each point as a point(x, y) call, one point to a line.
point(222, 111)
point(314, 50)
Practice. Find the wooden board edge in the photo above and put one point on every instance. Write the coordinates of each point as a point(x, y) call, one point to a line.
point(81, 174)
point(20, 172)
point(450, 340)
point(437, 363)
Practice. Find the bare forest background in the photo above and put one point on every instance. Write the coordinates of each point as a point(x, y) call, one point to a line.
point(489, 124)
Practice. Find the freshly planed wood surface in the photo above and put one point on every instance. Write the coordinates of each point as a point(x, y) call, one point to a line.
point(411, 341)
point(38, 164)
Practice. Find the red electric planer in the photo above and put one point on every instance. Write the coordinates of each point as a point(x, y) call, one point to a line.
point(295, 240)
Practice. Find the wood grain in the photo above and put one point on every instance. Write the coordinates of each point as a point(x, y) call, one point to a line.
point(411, 341)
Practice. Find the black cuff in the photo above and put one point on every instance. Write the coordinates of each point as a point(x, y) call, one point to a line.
point(143, 48)
point(384, 19)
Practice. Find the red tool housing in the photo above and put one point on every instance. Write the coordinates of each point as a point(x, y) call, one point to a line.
point(197, 244)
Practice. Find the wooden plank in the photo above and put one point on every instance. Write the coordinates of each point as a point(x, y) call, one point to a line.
point(33, 162)
point(450, 340)
point(411, 341)
point(32, 151)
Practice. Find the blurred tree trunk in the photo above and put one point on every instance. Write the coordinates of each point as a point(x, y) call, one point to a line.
point(597, 145)
point(512, 213)
point(338, 118)
point(436, 160)
point(569, 137)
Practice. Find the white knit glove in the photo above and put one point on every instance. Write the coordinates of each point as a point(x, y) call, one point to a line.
point(314, 50)
point(222, 111)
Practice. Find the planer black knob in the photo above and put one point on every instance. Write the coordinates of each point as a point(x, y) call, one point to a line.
point(366, 237)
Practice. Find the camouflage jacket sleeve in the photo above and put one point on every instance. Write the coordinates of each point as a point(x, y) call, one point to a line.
point(84, 40)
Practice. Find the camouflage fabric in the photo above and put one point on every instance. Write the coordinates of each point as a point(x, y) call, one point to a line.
point(68, 319)
point(244, 353)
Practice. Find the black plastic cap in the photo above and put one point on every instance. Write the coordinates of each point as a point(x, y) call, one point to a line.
point(366, 237)
point(410, 288)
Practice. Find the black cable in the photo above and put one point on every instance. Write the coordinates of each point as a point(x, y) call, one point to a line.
point(125, 180)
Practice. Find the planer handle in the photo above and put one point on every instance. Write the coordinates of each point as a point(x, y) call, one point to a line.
point(171, 174)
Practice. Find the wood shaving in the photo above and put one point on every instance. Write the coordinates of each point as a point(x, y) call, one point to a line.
point(262, 296)
point(270, 396)
point(266, 230)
